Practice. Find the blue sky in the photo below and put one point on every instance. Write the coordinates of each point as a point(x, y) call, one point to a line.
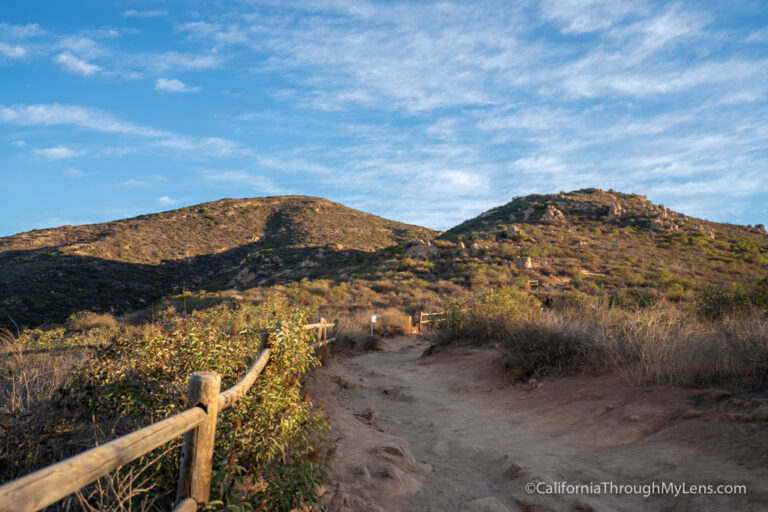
point(424, 112)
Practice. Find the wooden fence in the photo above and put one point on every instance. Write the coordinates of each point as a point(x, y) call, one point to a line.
point(429, 319)
point(198, 425)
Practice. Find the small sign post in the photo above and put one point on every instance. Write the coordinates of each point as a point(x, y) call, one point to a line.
point(373, 321)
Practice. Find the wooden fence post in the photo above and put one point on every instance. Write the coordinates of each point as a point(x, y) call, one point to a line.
point(196, 463)
point(320, 329)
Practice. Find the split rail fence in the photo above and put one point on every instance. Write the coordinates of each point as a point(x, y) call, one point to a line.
point(198, 425)
point(430, 320)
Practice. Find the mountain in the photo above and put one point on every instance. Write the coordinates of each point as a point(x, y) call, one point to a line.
point(45, 275)
point(587, 241)
point(604, 240)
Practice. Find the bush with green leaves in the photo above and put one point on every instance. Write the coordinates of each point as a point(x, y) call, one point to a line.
point(484, 317)
point(266, 454)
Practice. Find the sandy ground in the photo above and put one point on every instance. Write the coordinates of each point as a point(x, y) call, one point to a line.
point(450, 431)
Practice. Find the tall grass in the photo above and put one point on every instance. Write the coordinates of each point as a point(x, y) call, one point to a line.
point(29, 378)
point(354, 330)
point(659, 344)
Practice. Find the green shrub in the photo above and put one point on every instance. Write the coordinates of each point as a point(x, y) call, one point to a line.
point(716, 300)
point(485, 317)
point(265, 457)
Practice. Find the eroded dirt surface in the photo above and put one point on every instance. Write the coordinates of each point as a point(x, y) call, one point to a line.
point(450, 431)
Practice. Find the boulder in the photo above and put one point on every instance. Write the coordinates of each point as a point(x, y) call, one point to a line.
point(761, 228)
point(657, 224)
point(421, 250)
point(524, 262)
point(476, 247)
point(241, 278)
point(513, 229)
point(552, 214)
point(615, 210)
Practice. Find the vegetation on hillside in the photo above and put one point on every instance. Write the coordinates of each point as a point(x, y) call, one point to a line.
point(128, 264)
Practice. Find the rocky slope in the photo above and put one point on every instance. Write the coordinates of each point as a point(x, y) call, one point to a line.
point(609, 240)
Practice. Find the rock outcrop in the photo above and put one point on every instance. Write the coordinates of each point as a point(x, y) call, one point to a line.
point(523, 262)
point(615, 210)
point(421, 250)
point(514, 229)
point(552, 214)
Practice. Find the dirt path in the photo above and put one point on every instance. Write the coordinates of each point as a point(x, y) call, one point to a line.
point(451, 432)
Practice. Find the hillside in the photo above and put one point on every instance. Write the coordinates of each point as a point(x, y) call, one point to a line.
point(45, 275)
point(614, 240)
point(593, 242)
point(617, 247)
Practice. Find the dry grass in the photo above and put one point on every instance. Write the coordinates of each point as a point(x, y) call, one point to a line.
point(393, 322)
point(129, 489)
point(85, 320)
point(354, 329)
point(666, 345)
point(659, 344)
point(29, 378)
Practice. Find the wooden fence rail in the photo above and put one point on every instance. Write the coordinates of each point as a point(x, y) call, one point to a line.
point(429, 319)
point(198, 425)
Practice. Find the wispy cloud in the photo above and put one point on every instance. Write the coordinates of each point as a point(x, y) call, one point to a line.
point(133, 13)
point(167, 201)
point(18, 32)
point(581, 16)
point(12, 51)
point(54, 114)
point(76, 65)
point(59, 152)
point(173, 85)
point(427, 112)
point(99, 121)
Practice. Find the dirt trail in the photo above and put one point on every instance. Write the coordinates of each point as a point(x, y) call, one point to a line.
point(451, 432)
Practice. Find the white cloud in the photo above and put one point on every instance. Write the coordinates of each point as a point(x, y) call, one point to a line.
point(176, 61)
point(58, 152)
point(173, 85)
point(19, 32)
point(83, 47)
point(166, 201)
point(96, 120)
point(18, 143)
point(56, 114)
point(133, 13)
point(75, 64)
point(581, 16)
point(75, 173)
point(12, 52)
